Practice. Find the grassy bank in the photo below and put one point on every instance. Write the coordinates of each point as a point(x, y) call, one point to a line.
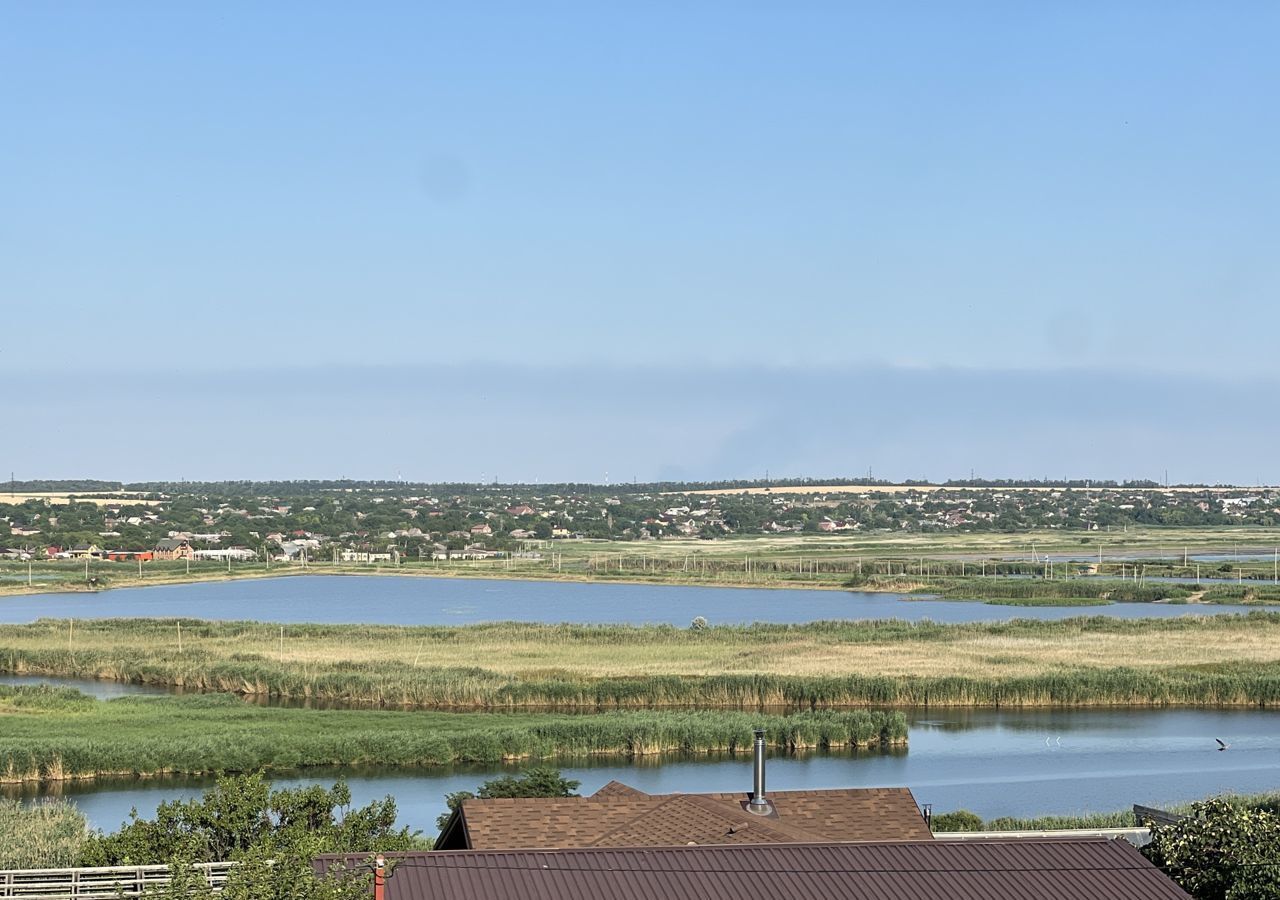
point(72, 577)
point(876, 560)
point(1191, 660)
point(55, 734)
point(1262, 594)
point(1063, 592)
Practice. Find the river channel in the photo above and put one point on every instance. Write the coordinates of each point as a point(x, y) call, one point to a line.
point(994, 762)
point(414, 600)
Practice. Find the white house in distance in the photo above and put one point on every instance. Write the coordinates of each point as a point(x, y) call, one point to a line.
point(235, 554)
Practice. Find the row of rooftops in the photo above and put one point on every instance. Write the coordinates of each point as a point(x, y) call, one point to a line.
point(1095, 869)
point(624, 844)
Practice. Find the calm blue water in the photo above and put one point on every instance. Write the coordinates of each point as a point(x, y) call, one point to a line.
point(995, 763)
point(458, 601)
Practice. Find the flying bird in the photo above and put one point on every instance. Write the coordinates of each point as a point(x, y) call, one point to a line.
point(1221, 745)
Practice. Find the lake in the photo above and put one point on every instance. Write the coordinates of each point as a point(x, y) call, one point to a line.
point(994, 762)
point(404, 600)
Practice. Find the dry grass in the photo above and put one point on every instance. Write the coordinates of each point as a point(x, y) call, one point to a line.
point(101, 498)
point(537, 651)
point(897, 544)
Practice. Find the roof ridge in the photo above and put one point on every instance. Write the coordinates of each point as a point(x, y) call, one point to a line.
point(616, 788)
point(662, 848)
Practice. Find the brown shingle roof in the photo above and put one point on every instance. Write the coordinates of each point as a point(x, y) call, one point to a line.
point(968, 870)
point(617, 789)
point(622, 816)
point(693, 819)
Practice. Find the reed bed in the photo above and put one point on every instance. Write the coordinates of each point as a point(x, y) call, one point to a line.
point(1073, 589)
point(45, 835)
point(1081, 661)
point(1243, 593)
point(53, 734)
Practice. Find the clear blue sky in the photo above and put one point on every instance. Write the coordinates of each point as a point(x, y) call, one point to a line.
point(1035, 192)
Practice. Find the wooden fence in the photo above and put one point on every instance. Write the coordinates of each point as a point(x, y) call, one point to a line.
point(104, 882)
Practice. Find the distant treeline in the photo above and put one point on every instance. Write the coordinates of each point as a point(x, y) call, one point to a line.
point(310, 486)
point(80, 485)
point(1049, 482)
point(288, 488)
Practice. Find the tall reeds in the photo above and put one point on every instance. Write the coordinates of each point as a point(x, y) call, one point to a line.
point(40, 836)
point(375, 665)
point(47, 737)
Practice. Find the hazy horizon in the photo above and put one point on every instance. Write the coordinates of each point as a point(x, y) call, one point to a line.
point(265, 241)
point(580, 423)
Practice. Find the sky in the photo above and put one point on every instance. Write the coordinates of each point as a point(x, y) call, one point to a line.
point(699, 240)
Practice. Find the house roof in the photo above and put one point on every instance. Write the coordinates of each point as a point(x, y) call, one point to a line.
point(621, 816)
point(1094, 869)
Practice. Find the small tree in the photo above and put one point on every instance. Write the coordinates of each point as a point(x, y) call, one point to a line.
point(242, 815)
point(1221, 852)
point(960, 820)
point(540, 781)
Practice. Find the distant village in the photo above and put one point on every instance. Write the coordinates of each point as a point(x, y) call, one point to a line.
point(386, 523)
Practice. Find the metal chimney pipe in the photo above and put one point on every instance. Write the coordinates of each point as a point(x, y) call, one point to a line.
point(759, 802)
point(380, 878)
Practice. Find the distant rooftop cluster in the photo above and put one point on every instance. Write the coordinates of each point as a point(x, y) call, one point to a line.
point(374, 522)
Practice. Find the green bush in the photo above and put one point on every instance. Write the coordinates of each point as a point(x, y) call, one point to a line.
point(960, 820)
